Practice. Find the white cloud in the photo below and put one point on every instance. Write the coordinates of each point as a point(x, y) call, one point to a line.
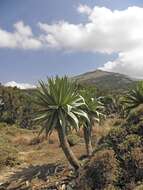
point(84, 9)
point(22, 38)
point(20, 85)
point(107, 32)
point(129, 62)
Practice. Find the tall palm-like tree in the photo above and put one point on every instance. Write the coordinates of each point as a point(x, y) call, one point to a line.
point(60, 108)
point(93, 110)
point(135, 97)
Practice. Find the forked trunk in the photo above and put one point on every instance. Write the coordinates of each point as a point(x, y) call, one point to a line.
point(88, 142)
point(66, 149)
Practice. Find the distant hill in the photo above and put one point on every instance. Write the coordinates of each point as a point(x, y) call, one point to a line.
point(106, 80)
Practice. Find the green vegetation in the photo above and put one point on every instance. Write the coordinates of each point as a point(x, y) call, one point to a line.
point(8, 150)
point(94, 111)
point(135, 96)
point(60, 109)
point(73, 139)
point(16, 107)
point(74, 115)
point(106, 82)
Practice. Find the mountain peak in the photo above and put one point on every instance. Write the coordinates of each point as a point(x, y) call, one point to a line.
point(105, 79)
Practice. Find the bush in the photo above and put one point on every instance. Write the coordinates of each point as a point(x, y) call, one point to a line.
point(132, 166)
point(137, 160)
point(73, 139)
point(135, 129)
point(101, 171)
point(115, 137)
point(8, 156)
point(3, 125)
point(8, 153)
point(130, 142)
point(136, 115)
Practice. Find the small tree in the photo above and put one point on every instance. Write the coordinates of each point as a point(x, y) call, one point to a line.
point(114, 105)
point(60, 108)
point(93, 110)
point(135, 97)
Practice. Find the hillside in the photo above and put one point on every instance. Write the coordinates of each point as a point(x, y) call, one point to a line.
point(106, 80)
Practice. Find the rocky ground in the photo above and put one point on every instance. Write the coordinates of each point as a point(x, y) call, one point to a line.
point(40, 163)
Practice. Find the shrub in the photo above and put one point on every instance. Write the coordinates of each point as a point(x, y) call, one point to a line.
point(135, 129)
point(8, 153)
point(73, 139)
point(3, 125)
point(137, 160)
point(136, 115)
point(8, 156)
point(115, 137)
point(118, 122)
point(130, 142)
point(132, 167)
point(101, 171)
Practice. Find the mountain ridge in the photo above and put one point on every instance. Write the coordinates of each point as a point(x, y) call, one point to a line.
point(106, 80)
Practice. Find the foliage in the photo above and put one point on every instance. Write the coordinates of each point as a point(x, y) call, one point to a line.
point(1, 107)
point(8, 153)
point(135, 97)
point(126, 141)
point(59, 104)
point(94, 106)
point(8, 156)
point(115, 137)
point(73, 139)
point(136, 115)
point(101, 171)
point(60, 108)
point(93, 109)
point(16, 107)
point(106, 82)
point(113, 105)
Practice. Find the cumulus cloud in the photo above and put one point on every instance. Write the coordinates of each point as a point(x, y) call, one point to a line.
point(84, 9)
point(106, 32)
point(19, 85)
point(22, 38)
point(129, 62)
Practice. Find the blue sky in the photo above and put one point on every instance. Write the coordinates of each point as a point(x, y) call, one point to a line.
point(30, 65)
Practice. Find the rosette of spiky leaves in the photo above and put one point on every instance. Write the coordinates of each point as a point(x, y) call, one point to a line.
point(135, 97)
point(59, 104)
point(94, 107)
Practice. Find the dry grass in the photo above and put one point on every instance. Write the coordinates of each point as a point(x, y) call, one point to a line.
point(101, 130)
point(39, 151)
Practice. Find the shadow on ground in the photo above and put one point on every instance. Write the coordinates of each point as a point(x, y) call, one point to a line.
point(26, 175)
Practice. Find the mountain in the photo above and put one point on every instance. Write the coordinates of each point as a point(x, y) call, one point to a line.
point(106, 80)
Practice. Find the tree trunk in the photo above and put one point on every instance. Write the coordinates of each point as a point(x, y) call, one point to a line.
point(66, 149)
point(87, 138)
